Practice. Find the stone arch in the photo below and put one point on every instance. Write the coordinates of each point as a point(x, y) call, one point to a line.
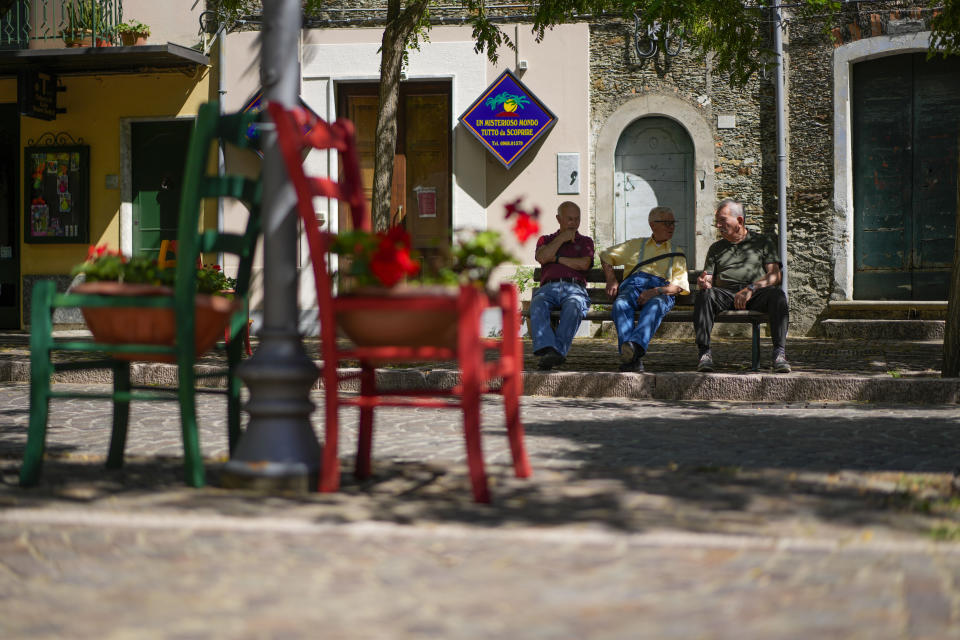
point(696, 125)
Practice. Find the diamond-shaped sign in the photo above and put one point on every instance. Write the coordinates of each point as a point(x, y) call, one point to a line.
point(507, 118)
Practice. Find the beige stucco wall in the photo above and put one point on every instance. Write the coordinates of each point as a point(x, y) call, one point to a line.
point(176, 21)
point(557, 72)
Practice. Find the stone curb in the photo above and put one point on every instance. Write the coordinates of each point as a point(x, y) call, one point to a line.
point(672, 386)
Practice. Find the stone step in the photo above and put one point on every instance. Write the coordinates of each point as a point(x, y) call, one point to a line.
point(887, 309)
point(840, 328)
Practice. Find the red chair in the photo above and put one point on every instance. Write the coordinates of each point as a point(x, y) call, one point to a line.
point(477, 375)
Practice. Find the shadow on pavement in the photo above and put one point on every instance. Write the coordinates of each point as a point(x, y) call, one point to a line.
point(776, 476)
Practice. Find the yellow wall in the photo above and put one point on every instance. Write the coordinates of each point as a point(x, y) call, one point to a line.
point(95, 106)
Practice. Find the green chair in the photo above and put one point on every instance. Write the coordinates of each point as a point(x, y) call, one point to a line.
point(200, 184)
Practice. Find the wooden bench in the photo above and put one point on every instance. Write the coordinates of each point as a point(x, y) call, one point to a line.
point(681, 312)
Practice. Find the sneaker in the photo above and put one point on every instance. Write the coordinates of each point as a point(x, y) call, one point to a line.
point(550, 359)
point(780, 364)
point(705, 364)
point(632, 367)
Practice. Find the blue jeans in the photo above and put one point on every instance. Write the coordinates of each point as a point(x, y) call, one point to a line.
point(651, 314)
point(573, 303)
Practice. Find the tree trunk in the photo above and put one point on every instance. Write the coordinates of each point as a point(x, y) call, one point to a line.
point(391, 63)
point(951, 334)
point(396, 36)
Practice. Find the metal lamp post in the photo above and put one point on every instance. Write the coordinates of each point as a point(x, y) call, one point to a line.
point(279, 449)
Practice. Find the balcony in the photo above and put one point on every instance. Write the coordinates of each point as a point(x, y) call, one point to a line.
point(79, 37)
point(44, 24)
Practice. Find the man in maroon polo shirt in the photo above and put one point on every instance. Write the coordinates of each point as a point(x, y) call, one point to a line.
point(565, 257)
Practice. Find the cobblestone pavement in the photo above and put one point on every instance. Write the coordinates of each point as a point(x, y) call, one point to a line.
point(643, 519)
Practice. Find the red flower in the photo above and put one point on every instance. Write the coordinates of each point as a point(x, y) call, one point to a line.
point(525, 227)
point(513, 207)
point(391, 264)
point(397, 235)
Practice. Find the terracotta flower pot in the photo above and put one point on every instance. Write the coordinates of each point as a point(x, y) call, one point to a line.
point(119, 325)
point(402, 328)
point(132, 39)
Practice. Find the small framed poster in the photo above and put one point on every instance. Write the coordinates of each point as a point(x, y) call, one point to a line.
point(57, 194)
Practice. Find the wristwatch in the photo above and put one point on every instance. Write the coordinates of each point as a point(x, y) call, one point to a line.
point(752, 287)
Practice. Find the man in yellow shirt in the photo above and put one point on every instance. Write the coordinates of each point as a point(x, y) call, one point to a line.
point(656, 272)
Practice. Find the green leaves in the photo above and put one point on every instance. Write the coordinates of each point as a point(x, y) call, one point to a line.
point(945, 29)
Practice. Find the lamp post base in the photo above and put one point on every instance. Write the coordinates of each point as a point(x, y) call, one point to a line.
point(279, 449)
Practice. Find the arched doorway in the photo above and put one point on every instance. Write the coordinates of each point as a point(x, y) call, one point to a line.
point(906, 118)
point(654, 166)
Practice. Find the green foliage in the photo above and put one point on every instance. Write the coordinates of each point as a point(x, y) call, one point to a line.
point(474, 258)
point(103, 265)
point(134, 27)
point(358, 247)
point(736, 33)
point(136, 270)
point(85, 15)
point(212, 280)
point(945, 29)
point(523, 278)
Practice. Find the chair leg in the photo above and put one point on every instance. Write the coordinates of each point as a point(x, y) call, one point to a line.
point(41, 341)
point(121, 414)
point(512, 386)
point(330, 466)
point(512, 389)
point(368, 388)
point(471, 361)
point(755, 347)
point(192, 458)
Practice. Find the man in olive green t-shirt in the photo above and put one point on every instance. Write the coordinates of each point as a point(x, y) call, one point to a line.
point(742, 271)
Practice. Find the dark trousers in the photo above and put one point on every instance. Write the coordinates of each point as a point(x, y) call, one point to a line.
point(710, 302)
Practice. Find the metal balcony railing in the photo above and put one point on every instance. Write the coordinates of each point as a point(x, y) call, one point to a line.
point(28, 24)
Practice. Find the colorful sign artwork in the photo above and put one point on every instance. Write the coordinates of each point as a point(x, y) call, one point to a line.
point(508, 118)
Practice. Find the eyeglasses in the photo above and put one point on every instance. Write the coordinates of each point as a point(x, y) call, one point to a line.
point(668, 223)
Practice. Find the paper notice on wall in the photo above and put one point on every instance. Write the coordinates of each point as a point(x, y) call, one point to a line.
point(426, 202)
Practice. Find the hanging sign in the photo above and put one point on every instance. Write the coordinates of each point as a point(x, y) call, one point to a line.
point(508, 118)
point(37, 94)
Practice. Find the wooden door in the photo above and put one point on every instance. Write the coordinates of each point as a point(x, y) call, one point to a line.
point(420, 194)
point(906, 121)
point(427, 152)
point(654, 167)
point(361, 109)
point(158, 155)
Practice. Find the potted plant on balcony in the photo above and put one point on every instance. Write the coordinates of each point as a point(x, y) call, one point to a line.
point(109, 273)
point(383, 264)
point(84, 18)
point(133, 33)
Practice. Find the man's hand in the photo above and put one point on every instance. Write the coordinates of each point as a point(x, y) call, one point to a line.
point(646, 296)
point(740, 300)
point(612, 287)
point(705, 280)
point(567, 235)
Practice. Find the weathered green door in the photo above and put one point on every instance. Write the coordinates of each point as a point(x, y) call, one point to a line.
point(9, 217)
point(906, 122)
point(158, 154)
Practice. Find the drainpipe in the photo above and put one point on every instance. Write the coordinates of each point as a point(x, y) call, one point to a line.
point(781, 144)
point(221, 92)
